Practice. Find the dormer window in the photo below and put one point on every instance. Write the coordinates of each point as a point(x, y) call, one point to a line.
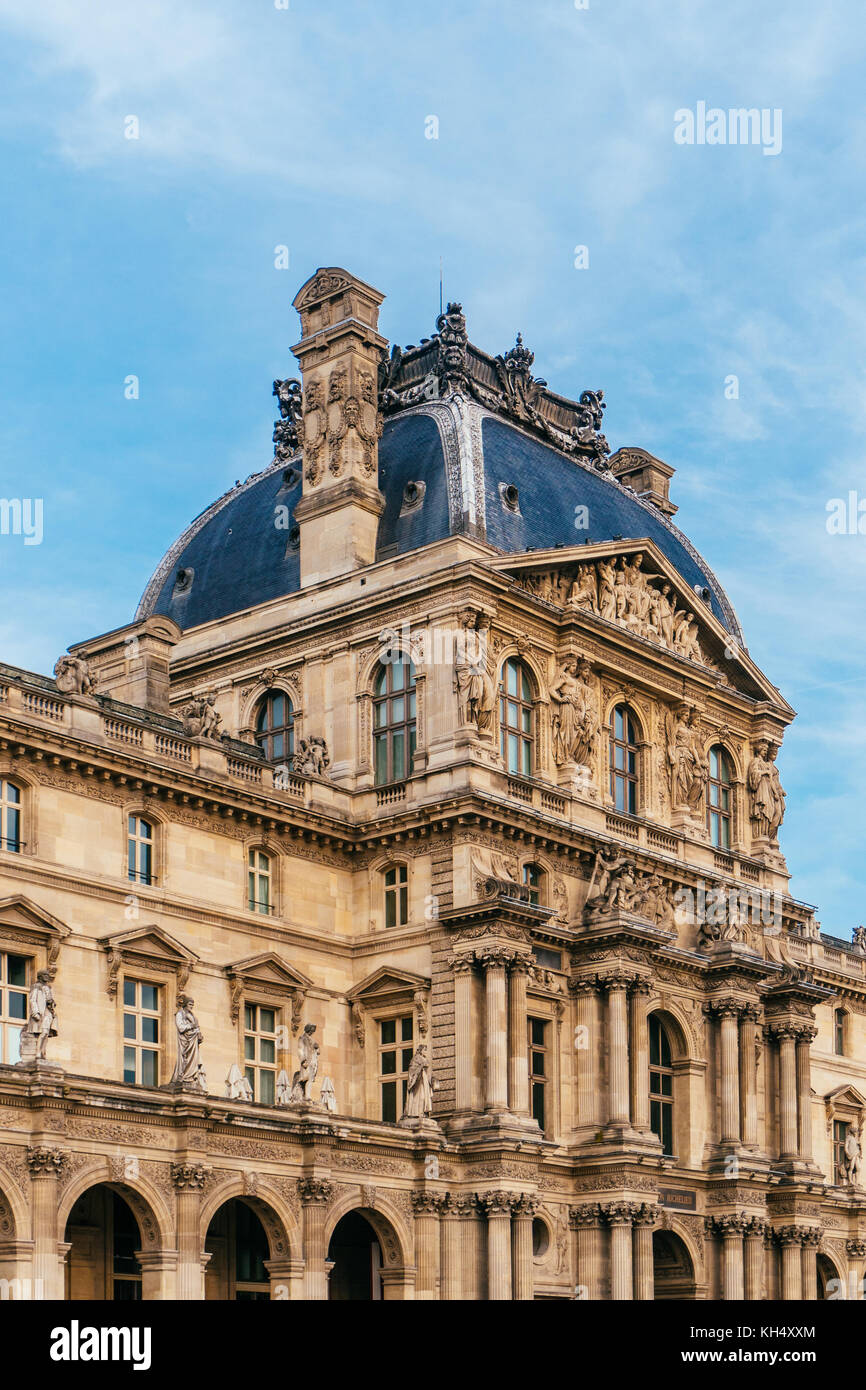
point(275, 727)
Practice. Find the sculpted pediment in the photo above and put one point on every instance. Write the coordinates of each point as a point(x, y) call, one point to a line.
point(150, 947)
point(843, 1102)
point(267, 974)
point(25, 923)
point(635, 588)
point(385, 984)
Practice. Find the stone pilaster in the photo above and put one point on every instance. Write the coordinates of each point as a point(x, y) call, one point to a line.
point(811, 1241)
point(754, 1234)
point(728, 1012)
point(46, 1164)
point(732, 1227)
point(315, 1194)
point(750, 1023)
point(452, 1256)
point(790, 1239)
point(617, 983)
point(189, 1179)
point(586, 1222)
point(806, 1035)
point(785, 1035)
point(427, 1206)
point(619, 1217)
point(645, 1221)
point(494, 960)
point(524, 1209)
point(518, 1055)
point(462, 967)
point(586, 1052)
point(639, 1055)
point(497, 1205)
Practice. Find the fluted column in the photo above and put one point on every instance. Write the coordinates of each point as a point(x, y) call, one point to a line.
point(732, 1227)
point(190, 1179)
point(755, 1233)
point(524, 1209)
point(791, 1239)
point(639, 1055)
point(451, 1257)
point(788, 1127)
point(426, 1206)
point(472, 1237)
point(728, 1012)
point(518, 1050)
point(806, 1035)
point(46, 1163)
point(498, 1208)
point(586, 1051)
point(619, 1217)
point(811, 1241)
point(315, 1194)
point(462, 967)
point(493, 961)
point(644, 1222)
point(749, 1025)
point(617, 983)
point(586, 1222)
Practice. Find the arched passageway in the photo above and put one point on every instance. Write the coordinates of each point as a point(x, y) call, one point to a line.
point(104, 1238)
point(238, 1247)
point(356, 1258)
point(673, 1271)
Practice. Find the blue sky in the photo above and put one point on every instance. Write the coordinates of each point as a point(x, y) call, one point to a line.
point(305, 127)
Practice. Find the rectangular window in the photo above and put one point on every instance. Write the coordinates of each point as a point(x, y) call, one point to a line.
point(395, 1057)
point(10, 817)
point(839, 1032)
point(538, 1069)
point(142, 1039)
point(259, 882)
point(260, 1051)
point(14, 983)
point(396, 896)
point(140, 850)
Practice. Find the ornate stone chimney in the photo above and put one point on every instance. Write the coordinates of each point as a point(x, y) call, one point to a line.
point(339, 354)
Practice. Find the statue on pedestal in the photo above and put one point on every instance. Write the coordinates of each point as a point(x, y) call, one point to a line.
point(72, 675)
point(284, 1088)
point(419, 1089)
point(41, 1019)
point(853, 1156)
point(308, 1059)
point(237, 1085)
point(188, 1070)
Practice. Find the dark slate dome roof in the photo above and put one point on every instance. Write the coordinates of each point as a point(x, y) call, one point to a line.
point(461, 427)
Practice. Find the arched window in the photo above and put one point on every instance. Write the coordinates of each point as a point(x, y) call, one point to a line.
point(515, 718)
point(661, 1090)
point(394, 722)
point(719, 798)
point(275, 727)
point(10, 816)
point(259, 881)
point(396, 895)
point(623, 760)
point(139, 850)
point(533, 879)
point(839, 1030)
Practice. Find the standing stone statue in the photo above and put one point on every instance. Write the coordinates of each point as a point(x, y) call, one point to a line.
point(475, 696)
point(575, 719)
point(853, 1156)
point(688, 768)
point(188, 1070)
point(284, 1088)
point(419, 1090)
point(778, 794)
point(308, 1059)
point(763, 801)
point(41, 1020)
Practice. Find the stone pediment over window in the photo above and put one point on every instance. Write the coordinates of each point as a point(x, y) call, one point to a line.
point(845, 1104)
point(635, 587)
point(269, 975)
point(388, 988)
point(148, 948)
point(24, 923)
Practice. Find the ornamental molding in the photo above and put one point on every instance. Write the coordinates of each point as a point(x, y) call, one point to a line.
point(267, 974)
point(148, 947)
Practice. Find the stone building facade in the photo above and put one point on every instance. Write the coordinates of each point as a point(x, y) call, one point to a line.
point(436, 733)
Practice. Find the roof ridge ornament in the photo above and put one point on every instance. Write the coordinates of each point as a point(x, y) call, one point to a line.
point(288, 429)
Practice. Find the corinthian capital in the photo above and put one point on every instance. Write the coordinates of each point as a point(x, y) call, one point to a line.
point(190, 1175)
point(526, 1204)
point(315, 1190)
point(44, 1160)
point(427, 1203)
point(496, 1203)
point(620, 1213)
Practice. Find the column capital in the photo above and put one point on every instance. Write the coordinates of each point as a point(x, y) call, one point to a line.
point(783, 1031)
point(461, 965)
point(495, 957)
point(811, 1236)
point(190, 1176)
point(619, 977)
point(315, 1191)
point(458, 1204)
point(520, 964)
point(756, 1228)
point(620, 1213)
point(806, 1034)
point(588, 1215)
point(496, 1203)
point(733, 1223)
point(44, 1160)
point(647, 1215)
point(856, 1247)
point(726, 1007)
point(752, 1013)
point(790, 1235)
point(584, 985)
point(427, 1203)
point(526, 1204)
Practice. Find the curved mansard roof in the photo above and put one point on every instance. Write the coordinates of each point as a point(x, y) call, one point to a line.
point(461, 434)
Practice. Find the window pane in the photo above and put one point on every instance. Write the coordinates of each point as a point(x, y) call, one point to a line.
point(389, 1063)
point(266, 1087)
point(267, 1050)
point(398, 751)
point(148, 1068)
point(406, 1028)
point(249, 1015)
point(129, 1022)
point(511, 678)
point(150, 1030)
point(526, 768)
point(389, 1030)
point(381, 751)
point(278, 712)
point(398, 710)
point(513, 753)
point(277, 746)
point(389, 1102)
point(407, 1059)
point(149, 997)
point(391, 909)
point(129, 1064)
point(13, 1044)
point(250, 1049)
point(404, 905)
point(267, 1020)
point(17, 1004)
point(16, 970)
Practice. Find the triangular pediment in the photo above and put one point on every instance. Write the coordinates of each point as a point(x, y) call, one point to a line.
point(631, 588)
point(152, 942)
point(269, 969)
point(845, 1097)
point(386, 982)
point(18, 912)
